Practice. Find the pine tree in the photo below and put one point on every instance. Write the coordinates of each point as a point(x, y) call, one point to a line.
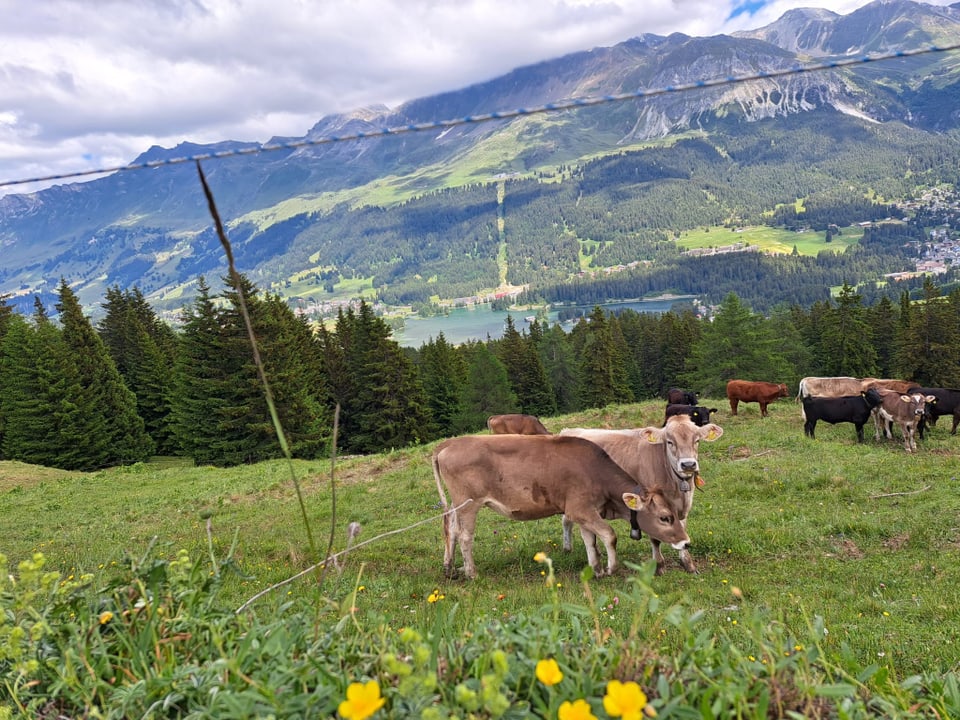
point(199, 379)
point(129, 331)
point(603, 374)
point(930, 350)
point(882, 317)
point(443, 373)
point(486, 391)
point(846, 339)
point(104, 429)
point(559, 363)
point(526, 373)
point(737, 345)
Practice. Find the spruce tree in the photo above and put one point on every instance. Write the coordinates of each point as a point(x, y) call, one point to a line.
point(737, 345)
point(105, 428)
point(526, 373)
point(882, 317)
point(559, 363)
point(443, 373)
point(846, 339)
point(199, 379)
point(603, 374)
point(930, 348)
point(486, 391)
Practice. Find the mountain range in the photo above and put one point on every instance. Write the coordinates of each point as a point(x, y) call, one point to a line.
point(464, 209)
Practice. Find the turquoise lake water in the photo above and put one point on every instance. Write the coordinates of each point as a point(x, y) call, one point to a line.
point(479, 322)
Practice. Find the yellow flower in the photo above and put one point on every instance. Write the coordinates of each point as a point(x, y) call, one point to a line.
point(435, 596)
point(105, 617)
point(548, 672)
point(577, 710)
point(363, 700)
point(540, 557)
point(624, 700)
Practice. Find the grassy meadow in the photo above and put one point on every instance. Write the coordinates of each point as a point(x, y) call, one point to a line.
point(866, 537)
point(770, 239)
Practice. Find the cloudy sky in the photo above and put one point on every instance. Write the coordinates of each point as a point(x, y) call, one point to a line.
point(86, 84)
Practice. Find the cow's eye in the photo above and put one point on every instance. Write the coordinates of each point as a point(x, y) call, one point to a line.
point(666, 519)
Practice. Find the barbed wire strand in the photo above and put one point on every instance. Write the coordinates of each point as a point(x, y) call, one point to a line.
point(486, 117)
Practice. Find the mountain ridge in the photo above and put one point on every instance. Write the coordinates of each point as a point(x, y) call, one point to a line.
point(99, 232)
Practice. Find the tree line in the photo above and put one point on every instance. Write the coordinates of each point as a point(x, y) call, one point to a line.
point(78, 396)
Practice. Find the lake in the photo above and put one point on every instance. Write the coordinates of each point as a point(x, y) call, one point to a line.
point(478, 322)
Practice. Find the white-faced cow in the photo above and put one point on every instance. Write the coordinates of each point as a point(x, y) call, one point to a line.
point(516, 424)
point(658, 459)
point(855, 409)
point(904, 410)
point(947, 403)
point(698, 413)
point(528, 477)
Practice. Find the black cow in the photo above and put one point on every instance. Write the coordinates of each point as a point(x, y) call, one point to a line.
point(676, 396)
point(856, 409)
point(948, 403)
point(698, 413)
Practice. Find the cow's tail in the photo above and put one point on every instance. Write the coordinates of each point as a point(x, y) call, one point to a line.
point(439, 479)
point(800, 390)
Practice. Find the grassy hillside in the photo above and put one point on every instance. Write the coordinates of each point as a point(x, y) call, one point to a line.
point(864, 536)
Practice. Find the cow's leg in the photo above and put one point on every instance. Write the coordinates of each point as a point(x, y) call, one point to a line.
point(734, 404)
point(567, 533)
point(590, 530)
point(909, 441)
point(657, 555)
point(956, 421)
point(686, 559)
point(763, 409)
point(809, 426)
point(466, 526)
point(859, 427)
point(449, 542)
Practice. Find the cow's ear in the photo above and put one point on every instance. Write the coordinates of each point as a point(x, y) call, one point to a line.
point(906, 398)
point(711, 432)
point(651, 434)
point(931, 398)
point(633, 501)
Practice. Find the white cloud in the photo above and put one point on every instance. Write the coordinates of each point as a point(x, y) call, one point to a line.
point(89, 84)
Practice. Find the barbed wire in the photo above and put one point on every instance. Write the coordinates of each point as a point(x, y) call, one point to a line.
point(486, 117)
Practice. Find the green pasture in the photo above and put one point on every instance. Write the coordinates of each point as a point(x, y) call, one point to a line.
point(769, 239)
point(866, 537)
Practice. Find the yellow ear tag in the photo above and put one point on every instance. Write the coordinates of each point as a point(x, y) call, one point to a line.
point(631, 502)
point(652, 439)
point(699, 481)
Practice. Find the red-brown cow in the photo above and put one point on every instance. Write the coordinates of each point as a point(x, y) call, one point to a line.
point(516, 424)
point(739, 391)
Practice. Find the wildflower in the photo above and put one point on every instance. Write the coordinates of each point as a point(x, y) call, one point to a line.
point(435, 596)
point(624, 700)
point(577, 710)
point(363, 700)
point(548, 672)
point(540, 557)
point(105, 617)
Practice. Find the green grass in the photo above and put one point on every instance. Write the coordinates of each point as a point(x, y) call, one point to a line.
point(776, 240)
point(865, 536)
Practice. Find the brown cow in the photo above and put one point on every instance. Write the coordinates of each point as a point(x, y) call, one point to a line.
point(739, 391)
point(516, 424)
point(662, 459)
point(904, 410)
point(528, 477)
point(900, 386)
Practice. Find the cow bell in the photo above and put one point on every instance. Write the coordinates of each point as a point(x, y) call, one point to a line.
point(684, 485)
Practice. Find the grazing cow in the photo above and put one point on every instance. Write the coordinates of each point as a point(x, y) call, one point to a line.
point(904, 410)
point(855, 409)
point(698, 413)
point(900, 386)
point(948, 403)
point(676, 396)
point(528, 477)
point(828, 387)
point(658, 459)
point(516, 424)
point(759, 392)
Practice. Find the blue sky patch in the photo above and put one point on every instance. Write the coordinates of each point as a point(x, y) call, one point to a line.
point(749, 7)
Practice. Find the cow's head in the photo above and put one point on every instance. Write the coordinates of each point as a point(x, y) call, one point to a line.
point(784, 392)
point(681, 440)
point(656, 517)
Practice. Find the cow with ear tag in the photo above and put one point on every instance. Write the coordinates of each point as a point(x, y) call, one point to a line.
point(663, 459)
point(528, 477)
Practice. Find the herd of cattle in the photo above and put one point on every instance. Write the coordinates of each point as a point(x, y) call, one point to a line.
point(647, 475)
